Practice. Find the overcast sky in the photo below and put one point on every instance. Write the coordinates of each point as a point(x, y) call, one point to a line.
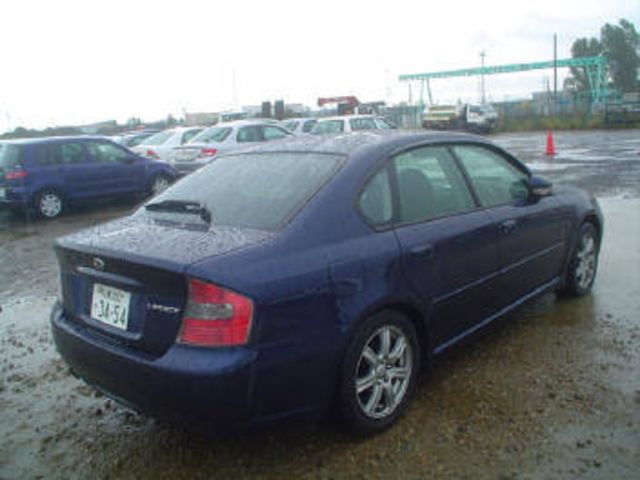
point(71, 62)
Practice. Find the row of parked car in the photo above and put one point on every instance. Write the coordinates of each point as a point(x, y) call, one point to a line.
point(46, 175)
point(189, 148)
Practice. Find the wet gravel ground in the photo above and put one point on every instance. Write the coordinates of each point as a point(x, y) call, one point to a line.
point(551, 392)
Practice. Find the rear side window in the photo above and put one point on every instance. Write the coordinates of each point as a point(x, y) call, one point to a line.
point(249, 134)
point(46, 154)
point(258, 191)
point(430, 185)
point(375, 200)
point(329, 126)
point(71, 153)
point(10, 155)
point(494, 178)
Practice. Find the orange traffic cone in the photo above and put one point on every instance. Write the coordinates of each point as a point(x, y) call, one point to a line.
point(551, 149)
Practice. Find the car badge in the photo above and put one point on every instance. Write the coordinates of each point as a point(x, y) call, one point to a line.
point(98, 263)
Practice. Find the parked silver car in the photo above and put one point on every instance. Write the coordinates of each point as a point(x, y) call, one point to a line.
point(160, 145)
point(351, 123)
point(299, 126)
point(223, 137)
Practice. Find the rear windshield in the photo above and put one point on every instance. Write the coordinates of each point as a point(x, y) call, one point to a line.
point(214, 134)
point(10, 155)
point(255, 190)
point(329, 126)
point(159, 138)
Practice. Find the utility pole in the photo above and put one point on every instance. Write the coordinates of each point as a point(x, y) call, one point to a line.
point(555, 68)
point(484, 98)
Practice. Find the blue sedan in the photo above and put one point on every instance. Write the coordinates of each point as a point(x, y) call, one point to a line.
point(313, 275)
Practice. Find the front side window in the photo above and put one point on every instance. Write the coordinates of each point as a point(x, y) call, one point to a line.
point(328, 126)
point(249, 134)
point(106, 152)
point(430, 185)
point(375, 200)
point(291, 126)
point(383, 124)
point(274, 133)
point(308, 125)
point(362, 124)
point(494, 178)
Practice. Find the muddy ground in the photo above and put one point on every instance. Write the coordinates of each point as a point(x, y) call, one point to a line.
point(551, 392)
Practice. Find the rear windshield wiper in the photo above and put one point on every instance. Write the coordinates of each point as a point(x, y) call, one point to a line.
point(181, 206)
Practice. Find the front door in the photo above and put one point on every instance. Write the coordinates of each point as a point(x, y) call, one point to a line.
point(449, 246)
point(531, 231)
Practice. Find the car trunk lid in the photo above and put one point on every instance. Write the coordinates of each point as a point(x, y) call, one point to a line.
point(138, 266)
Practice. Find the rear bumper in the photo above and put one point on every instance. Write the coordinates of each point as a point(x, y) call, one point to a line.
point(14, 196)
point(184, 384)
point(185, 168)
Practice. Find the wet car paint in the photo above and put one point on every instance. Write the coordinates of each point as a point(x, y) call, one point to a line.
point(552, 392)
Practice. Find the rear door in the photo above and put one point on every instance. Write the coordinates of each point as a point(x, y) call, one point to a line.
point(270, 132)
point(81, 176)
point(123, 171)
point(450, 251)
point(531, 232)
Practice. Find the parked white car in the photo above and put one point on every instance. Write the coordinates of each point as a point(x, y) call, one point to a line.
point(223, 137)
point(351, 123)
point(160, 145)
point(299, 126)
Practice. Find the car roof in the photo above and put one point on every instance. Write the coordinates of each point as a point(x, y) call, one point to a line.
point(350, 143)
point(24, 141)
point(345, 117)
point(248, 122)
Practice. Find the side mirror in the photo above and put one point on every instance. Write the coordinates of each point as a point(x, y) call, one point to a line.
point(539, 187)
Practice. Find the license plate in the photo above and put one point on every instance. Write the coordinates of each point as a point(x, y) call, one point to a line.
point(3, 193)
point(110, 305)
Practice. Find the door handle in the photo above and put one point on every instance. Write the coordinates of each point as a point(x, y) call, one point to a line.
point(425, 251)
point(508, 226)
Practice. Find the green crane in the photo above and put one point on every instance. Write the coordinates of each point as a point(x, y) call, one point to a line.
point(596, 69)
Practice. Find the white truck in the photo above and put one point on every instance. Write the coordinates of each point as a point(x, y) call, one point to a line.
point(473, 118)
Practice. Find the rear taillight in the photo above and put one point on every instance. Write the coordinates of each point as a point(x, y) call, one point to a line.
point(152, 154)
point(208, 152)
point(16, 175)
point(215, 317)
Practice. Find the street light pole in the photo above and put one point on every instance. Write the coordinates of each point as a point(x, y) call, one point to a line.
point(484, 98)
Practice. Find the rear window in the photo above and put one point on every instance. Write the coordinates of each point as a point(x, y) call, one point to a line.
point(329, 126)
point(259, 190)
point(159, 138)
point(10, 155)
point(291, 126)
point(215, 134)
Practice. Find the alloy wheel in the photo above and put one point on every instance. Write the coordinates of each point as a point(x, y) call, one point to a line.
point(383, 372)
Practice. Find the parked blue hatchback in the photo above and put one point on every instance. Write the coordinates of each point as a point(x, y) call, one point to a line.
point(316, 273)
point(48, 174)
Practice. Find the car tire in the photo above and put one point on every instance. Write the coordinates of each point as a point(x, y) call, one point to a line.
point(583, 265)
point(159, 183)
point(49, 204)
point(379, 373)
